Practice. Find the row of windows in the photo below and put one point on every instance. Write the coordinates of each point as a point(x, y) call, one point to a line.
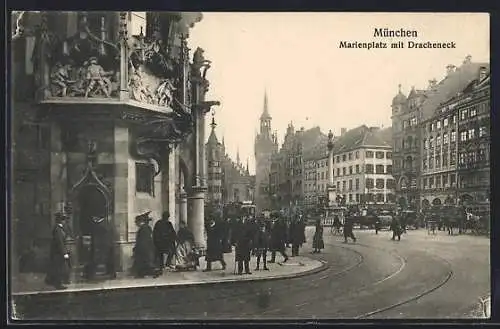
point(451, 138)
point(351, 156)
point(348, 185)
point(214, 163)
point(214, 189)
point(351, 170)
point(473, 133)
point(410, 123)
point(442, 123)
point(214, 176)
point(478, 156)
point(437, 162)
point(369, 197)
point(474, 110)
point(445, 180)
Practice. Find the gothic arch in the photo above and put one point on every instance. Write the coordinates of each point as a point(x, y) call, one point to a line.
point(466, 198)
point(436, 202)
point(402, 180)
point(426, 204)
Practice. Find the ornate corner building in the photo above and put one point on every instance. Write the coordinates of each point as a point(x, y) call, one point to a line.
point(456, 148)
point(108, 120)
point(406, 117)
point(441, 139)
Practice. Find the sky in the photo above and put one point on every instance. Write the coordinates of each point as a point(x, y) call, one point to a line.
point(310, 81)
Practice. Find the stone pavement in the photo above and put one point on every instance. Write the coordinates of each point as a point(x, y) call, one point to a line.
point(28, 284)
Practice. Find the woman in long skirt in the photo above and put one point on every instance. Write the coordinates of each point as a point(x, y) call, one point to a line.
point(318, 242)
point(185, 255)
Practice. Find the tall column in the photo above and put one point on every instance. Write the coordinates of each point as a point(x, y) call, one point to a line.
point(197, 220)
point(124, 60)
point(171, 186)
point(330, 187)
point(123, 217)
point(183, 206)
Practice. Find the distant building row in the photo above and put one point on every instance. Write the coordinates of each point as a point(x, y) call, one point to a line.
point(227, 181)
point(295, 176)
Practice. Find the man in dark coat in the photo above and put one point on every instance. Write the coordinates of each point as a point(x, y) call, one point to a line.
point(59, 264)
point(348, 230)
point(261, 245)
point(144, 249)
point(226, 235)
point(396, 229)
point(278, 239)
point(243, 243)
point(298, 235)
point(215, 244)
point(164, 237)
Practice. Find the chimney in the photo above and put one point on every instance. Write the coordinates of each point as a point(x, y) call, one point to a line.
point(482, 73)
point(450, 68)
point(343, 131)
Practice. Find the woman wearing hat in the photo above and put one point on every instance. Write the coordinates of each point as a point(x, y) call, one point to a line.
point(58, 266)
point(318, 242)
point(144, 249)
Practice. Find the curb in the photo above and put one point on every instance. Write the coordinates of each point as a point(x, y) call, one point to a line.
point(317, 269)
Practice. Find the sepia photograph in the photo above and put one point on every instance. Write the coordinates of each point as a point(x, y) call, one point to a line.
point(249, 166)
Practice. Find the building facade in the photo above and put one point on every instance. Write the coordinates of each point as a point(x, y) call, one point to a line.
point(362, 166)
point(289, 182)
point(108, 122)
point(265, 145)
point(455, 151)
point(228, 181)
point(406, 119)
point(315, 176)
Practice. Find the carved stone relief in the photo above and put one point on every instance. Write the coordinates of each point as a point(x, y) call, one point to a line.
point(147, 88)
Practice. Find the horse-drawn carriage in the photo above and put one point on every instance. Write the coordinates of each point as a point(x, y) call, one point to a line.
point(478, 218)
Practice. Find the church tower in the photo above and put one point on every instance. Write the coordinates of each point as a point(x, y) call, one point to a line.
point(264, 148)
point(214, 151)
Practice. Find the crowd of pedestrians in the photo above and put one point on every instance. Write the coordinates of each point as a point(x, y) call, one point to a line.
point(159, 247)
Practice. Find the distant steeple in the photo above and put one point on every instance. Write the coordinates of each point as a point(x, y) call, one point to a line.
point(238, 155)
point(247, 167)
point(212, 139)
point(265, 113)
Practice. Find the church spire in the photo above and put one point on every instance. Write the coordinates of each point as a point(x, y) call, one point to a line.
point(212, 139)
point(238, 155)
point(265, 113)
point(248, 172)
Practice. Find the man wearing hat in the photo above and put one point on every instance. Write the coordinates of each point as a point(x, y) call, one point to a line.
point(164, 238)
point(59, 266)
point(96, 74)
point(144, 249)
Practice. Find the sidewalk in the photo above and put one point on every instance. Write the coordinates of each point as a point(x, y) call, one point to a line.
point(32, 284)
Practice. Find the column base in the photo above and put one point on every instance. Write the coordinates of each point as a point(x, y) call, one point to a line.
point(196, 222)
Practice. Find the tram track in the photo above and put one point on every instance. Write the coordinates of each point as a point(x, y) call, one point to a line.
point(402, 260)
point(413, 298)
